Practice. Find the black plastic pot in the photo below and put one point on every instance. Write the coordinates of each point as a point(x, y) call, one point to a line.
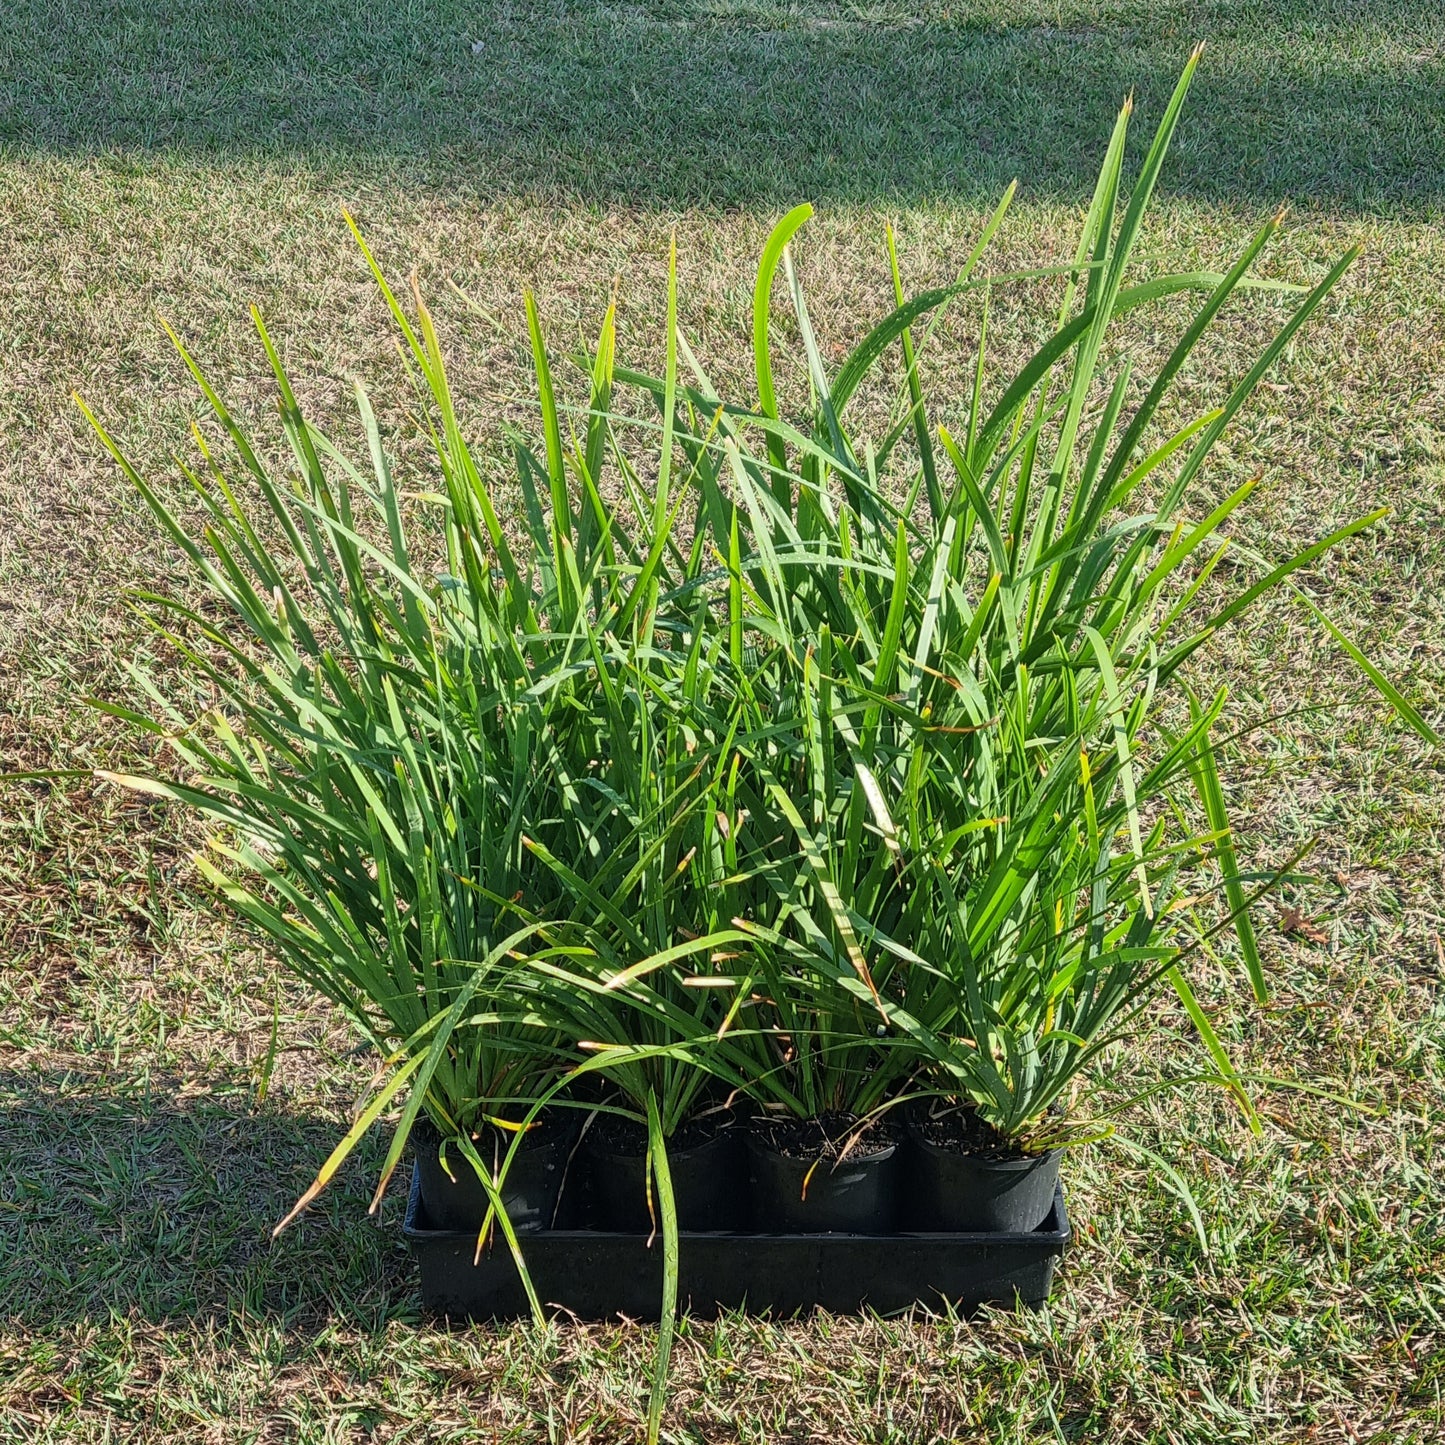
point(950, 1191)
point(529, 1191)
point(594, 1275)
point(798, 1194)
point(709, 1184)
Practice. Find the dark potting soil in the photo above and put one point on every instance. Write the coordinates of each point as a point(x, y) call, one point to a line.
point(827, 1135)
point(617, 1134)
point(960, 1130)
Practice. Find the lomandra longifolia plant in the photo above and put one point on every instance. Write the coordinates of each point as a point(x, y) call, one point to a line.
point(465, 805)
point(412, 772)
point(996, 770)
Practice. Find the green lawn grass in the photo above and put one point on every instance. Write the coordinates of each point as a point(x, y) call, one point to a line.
point(190, 163)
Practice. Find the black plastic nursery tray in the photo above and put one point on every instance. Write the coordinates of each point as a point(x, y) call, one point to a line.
point(595, 1275)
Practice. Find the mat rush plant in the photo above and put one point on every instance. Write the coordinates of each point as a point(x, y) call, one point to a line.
point(757, 763)
point(402, 755)
point(419, 774)
point(998, 773)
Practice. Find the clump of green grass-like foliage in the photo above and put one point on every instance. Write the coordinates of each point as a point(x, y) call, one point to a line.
point(754, 754)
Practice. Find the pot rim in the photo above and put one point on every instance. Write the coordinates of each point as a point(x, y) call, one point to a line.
point(538, 1140)
point(1022, 1165)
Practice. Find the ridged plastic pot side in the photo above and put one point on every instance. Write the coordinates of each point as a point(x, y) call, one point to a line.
point(797, 1194)
point(530, 1189)
point(951, 1191)
point(709, 1185)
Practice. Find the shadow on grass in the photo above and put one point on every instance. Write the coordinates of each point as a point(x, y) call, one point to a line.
point(731, 101)
point(153, 1205)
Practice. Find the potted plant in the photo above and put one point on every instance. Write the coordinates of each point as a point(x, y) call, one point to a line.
point(985, 646)
point(393, 756)
point(654, 891)
point(824, 1150)
point(1006, 771)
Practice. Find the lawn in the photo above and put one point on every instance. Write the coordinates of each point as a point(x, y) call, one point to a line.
point(187, 164)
